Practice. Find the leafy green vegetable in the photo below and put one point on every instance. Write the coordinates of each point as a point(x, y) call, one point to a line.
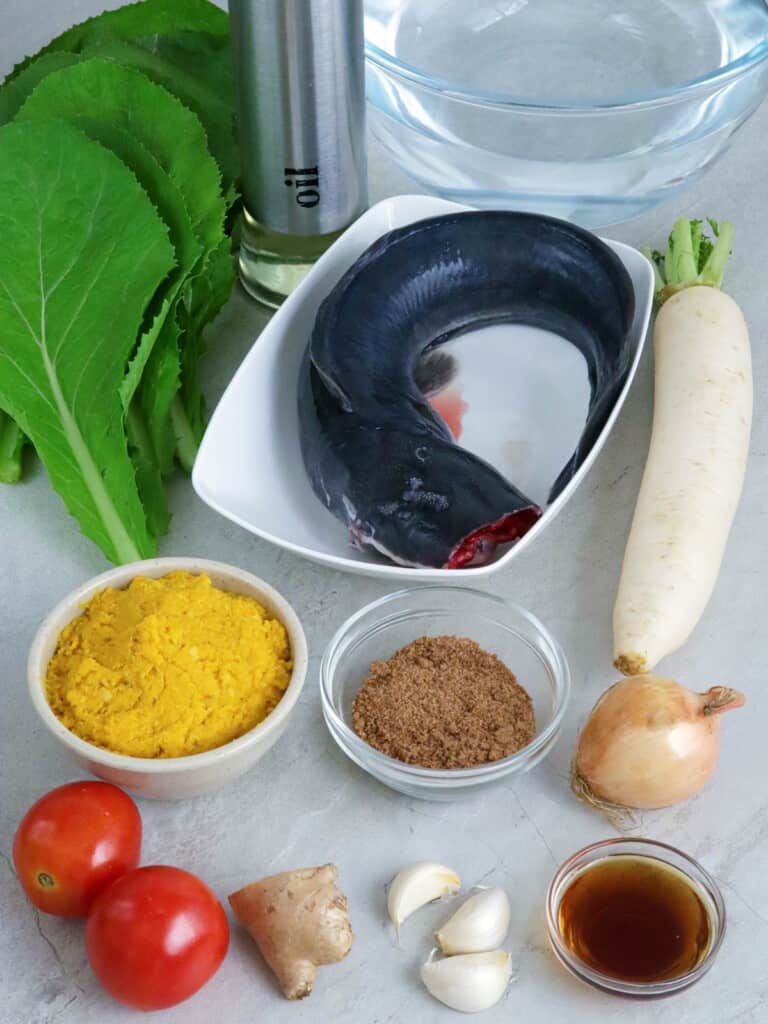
point(196, 67)
point(181, 44)
point(141, 19)
point(112, 105)
point(164, 126)
point(157, 392)
point(12, 442)
point(83, 253)
point(124, 110)
point(152, 83)
point(205, 299)
point(119, 107)
point(149, 479)
point(15, 91)
point(12, 96)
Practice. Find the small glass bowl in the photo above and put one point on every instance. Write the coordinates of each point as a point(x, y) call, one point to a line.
point(701, 880)
point(383, 627)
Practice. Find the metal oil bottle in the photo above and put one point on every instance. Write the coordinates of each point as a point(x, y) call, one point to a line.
point(299, 69)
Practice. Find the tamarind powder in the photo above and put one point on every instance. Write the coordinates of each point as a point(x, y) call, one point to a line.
point(443, 702)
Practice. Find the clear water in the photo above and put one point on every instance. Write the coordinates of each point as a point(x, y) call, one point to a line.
point(596, 164)
point(566, 50)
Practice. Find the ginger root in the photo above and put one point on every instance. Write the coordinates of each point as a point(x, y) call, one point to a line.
point(299, 920)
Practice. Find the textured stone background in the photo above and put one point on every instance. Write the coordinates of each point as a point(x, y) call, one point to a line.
point(305, 803)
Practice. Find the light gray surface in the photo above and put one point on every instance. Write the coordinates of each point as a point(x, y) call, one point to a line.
point(306, 804)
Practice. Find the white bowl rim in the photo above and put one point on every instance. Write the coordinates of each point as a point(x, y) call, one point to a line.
point(156, 567)
point(416, 207)
point(448, 776)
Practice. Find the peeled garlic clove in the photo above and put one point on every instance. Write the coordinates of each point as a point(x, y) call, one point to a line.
point(479, 925)
point(417, 885)
point(471, 982)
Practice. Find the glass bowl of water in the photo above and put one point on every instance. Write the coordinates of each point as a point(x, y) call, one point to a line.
point(594, 111)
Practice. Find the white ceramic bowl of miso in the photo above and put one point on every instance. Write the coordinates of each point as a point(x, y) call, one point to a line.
point(165, 772)
point(634, 917)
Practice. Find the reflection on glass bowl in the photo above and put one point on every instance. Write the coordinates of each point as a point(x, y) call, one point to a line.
point(590, 111)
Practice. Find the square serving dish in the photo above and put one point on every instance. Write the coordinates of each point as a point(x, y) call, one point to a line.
point(250, 467)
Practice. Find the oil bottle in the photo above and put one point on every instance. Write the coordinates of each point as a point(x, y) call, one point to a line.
point(299, 72)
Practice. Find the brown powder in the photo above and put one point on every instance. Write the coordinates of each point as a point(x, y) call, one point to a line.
point(443, 702)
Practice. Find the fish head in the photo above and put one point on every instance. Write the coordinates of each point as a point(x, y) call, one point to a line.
point(428, 502)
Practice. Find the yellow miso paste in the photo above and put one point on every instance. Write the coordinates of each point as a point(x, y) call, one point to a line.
point(168, 667)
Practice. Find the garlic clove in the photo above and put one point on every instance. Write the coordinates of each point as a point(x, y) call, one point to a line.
point(479, 925)
point(417, 885)
point(470, 982)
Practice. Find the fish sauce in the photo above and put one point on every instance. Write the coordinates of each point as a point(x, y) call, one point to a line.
point(635, 919)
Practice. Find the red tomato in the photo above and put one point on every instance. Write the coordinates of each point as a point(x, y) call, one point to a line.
point(73, 842)
point(156, 936)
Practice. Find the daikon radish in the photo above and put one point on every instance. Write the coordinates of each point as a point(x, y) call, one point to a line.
point(698, 453)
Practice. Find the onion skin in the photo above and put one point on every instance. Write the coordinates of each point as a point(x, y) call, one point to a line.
point(650, 742)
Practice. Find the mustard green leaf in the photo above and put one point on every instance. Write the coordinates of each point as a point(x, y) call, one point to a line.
point(14, 92)
point(205, 297)
point(147, 341)
point(124, 110)
point(157, 391)
point(12, 96)
point(182, 45)
point(83, 253)
point(196, 67)
point(110, 103)
point(186, 441)
point(148, 477)
point(150, 17)
point(141, 19)
point(12, 444)
point(107, 91)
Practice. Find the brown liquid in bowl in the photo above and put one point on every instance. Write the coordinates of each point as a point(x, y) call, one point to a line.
point(635, 919)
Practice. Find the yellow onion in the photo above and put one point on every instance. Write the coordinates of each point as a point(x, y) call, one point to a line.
point(649, 742)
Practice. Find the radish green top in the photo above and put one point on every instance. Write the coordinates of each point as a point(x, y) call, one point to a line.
point(692, 257)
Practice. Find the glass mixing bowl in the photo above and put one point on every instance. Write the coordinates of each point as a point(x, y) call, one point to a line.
point(373, 634)
point(593, 111)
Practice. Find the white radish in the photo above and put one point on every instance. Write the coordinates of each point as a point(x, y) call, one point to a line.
point(699, 444)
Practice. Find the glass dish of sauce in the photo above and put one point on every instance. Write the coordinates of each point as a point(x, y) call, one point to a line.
point(635, 917)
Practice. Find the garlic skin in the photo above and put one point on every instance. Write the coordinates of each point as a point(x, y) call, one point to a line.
point(479, 925)
point(470, 982)
point(417, 885)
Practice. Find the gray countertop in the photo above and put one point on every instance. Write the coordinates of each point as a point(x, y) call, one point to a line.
point(305, 803)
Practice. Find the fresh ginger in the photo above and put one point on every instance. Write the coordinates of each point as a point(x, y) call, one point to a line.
point(299, 920)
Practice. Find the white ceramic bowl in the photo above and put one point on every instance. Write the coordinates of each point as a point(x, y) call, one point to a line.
point(171, 777)
point(250, 467)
